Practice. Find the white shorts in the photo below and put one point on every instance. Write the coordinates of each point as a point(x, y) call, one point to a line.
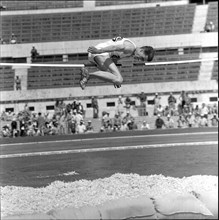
point(91, 56)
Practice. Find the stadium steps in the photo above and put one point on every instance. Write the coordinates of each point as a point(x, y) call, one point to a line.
point(215, 71)
point(200, 18)
point(206, 67)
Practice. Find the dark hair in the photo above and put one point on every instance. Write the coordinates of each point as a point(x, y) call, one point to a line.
point(149, 51)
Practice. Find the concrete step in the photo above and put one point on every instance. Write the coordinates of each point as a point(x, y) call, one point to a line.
point(200, 18)
point(206, 67)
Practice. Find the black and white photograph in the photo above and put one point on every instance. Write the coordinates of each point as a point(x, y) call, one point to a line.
point(109, 109)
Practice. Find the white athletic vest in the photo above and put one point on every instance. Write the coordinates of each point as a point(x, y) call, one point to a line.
point(116, 41)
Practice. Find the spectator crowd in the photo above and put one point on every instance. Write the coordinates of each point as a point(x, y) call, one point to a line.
point(70, 118)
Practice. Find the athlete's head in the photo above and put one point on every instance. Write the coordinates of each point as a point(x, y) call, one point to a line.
point(145, 53)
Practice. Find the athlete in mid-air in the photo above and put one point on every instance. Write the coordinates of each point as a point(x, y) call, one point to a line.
point(105, 55)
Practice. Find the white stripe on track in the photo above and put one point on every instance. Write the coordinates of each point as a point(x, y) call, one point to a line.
point(107, 149)
point(109, 138)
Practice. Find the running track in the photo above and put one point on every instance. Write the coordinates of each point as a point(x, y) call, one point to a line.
point(39, 161)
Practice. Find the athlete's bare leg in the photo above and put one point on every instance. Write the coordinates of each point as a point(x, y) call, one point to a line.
point(108, 72)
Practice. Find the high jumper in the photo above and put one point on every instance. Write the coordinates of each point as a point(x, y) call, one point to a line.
point(105, 56)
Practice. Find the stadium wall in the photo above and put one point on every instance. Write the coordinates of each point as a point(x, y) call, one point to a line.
point(90, 6)
point(67, 47)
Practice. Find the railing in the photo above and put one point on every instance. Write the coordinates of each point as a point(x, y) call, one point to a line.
point(36, 5)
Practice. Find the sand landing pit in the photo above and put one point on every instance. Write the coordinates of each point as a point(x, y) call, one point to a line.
point(58, 195)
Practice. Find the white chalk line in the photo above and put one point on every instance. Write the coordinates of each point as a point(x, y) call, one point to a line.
point(107, 149)
point(108, 138)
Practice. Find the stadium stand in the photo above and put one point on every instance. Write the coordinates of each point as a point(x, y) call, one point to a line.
point(7, 76)
point(65, 77)
point(107, 3)
point(37, 5)
point(138, 22)
point(44, 78)
point(213, 14)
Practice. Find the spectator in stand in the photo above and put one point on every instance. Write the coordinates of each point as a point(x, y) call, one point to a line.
point(54, 128)
point(35, 127)
point(117, 122)
point(46, 117)
point(68, 123)
point(13, 39)
point(128, 103)
point(203, 122)
point(14, 131)
point(157, 100)
point(159, 122)
point(34, 54)
point(182, 98)
point(22, 128)
point(4, 116)
point(215, 109)
point(145, 126)
point(169, 122)
point(81, 128)
point(190, 120)
point(41, 123)
point(2, 7)
point(160, 110)
point(107, 122)
point(143, 103)
point(61, 124)
point(186, 110)
point(209, 27)
point(181, 122)
point(196, 120)
point(46, 129)
point(80, 108)
point(196, 111)
point(132, 125)
point(6, 131)
point(2, 41)
point(73, 121)
point(120, 108)
point(74, 105)
point(124, 126)
point(89, 127)
point(204, 110)
point(166, 111)
point(95, 106)
point(78, 118)
point(30, 129)
point(214, 121)
point(9, 115)
point(128, 117)
point(172, 104)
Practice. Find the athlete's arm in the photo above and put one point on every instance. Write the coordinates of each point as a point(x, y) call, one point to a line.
point(116, 44)
point(108, 48)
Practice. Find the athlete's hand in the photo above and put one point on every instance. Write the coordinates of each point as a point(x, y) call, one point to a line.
point(93, 50)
